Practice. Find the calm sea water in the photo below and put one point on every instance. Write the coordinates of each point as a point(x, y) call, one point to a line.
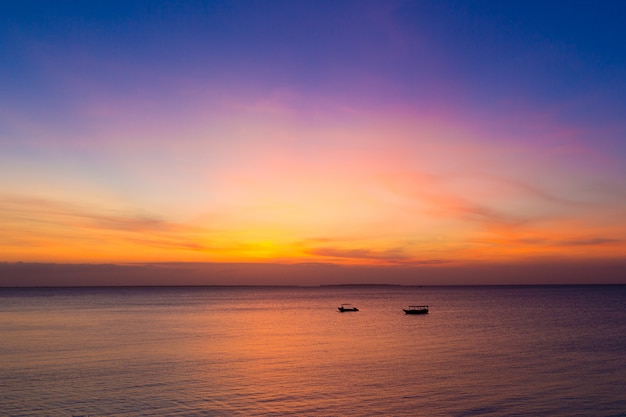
point(492, 351)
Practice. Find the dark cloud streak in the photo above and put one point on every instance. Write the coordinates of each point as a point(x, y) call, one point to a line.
point(136, 227)
point(190, 274)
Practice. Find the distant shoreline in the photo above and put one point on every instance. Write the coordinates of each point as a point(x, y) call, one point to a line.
point(370, 285)
point(305, 286)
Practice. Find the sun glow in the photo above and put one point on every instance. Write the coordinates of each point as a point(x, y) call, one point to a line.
point(251, 139)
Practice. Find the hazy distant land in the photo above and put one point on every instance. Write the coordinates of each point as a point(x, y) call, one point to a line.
point(20, 274)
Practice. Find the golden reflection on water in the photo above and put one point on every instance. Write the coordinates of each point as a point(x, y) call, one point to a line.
point(247, 352)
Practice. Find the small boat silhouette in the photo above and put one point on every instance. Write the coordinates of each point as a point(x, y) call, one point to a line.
point(343, 308)
point(416, 310)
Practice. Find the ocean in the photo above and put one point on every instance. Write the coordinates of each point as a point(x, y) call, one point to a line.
point(276, 351)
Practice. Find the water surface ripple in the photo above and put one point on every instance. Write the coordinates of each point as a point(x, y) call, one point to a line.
point(482, 351)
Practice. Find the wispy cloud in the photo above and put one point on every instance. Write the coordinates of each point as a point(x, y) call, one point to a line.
point(389, 256)
point(585, 241)
point(592, 241)
point(59, 221)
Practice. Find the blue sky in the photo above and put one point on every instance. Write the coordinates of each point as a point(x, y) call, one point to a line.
point(395, 134)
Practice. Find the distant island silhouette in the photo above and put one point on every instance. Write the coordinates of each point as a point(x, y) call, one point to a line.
point(361, 285)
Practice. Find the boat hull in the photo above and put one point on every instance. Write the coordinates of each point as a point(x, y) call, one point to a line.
point(415, 311)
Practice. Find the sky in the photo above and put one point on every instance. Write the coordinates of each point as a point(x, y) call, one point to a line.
point(302, 142)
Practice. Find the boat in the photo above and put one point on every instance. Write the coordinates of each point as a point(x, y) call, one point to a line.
point(416, 310)
point(346, 307)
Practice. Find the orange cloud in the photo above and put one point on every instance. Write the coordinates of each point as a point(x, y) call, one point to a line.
point(47, 228)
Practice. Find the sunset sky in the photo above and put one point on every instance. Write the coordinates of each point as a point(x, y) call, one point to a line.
point(427, 137)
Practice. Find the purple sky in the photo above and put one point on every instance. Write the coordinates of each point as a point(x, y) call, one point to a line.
point(409, 141)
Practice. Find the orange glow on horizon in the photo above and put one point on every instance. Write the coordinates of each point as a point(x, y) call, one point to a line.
point(370, 190)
